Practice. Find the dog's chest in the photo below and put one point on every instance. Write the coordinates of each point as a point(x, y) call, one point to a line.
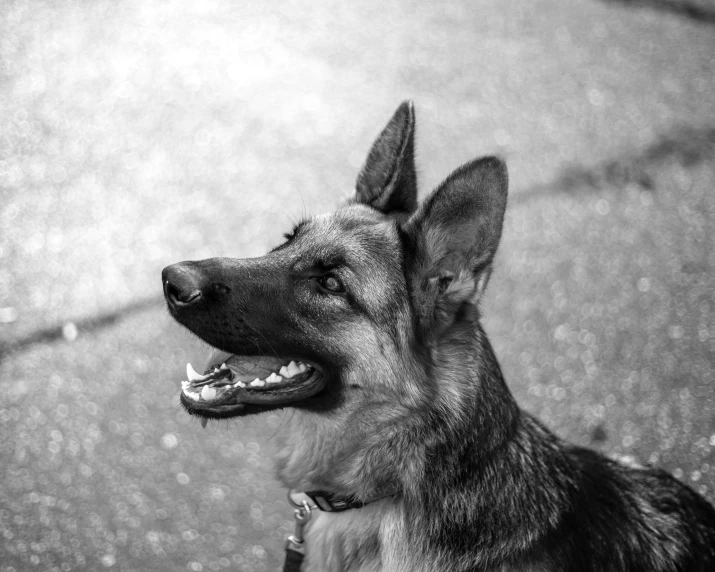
point(372, 539)
point(347, 541)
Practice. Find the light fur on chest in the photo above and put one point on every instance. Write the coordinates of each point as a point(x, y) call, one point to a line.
point(361, 540)
point(371, 539)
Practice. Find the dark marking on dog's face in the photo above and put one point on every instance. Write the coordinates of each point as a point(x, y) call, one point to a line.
point(302, 294)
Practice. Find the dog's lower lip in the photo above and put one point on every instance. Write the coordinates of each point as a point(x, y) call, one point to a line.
point(235, 400)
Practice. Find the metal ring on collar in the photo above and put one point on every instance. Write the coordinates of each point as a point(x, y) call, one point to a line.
point(298, 500)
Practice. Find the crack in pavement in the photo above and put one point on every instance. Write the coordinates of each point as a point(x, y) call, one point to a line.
point(683, 8)
point(686, 145)
point(88, 324)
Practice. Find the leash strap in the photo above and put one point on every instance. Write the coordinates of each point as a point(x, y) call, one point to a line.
point(295, 548)
point(293, 560)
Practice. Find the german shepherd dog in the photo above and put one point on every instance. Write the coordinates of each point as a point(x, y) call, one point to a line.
point(366, 322)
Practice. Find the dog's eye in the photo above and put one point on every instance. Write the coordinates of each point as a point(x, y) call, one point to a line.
point(331, 283)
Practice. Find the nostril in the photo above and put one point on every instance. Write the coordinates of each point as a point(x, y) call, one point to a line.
point(172, 291)
point(176, 296)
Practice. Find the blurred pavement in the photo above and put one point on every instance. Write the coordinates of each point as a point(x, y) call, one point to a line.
point(137, 134)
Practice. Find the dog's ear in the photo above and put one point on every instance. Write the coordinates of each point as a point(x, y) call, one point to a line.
point(452, 240)
point(388, 181)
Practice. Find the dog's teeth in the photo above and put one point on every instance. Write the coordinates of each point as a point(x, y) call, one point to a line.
point(208, 393)
point(274, 378)
point(258, 382)
point(302, 367)
point(293, 369)
point(223, 366)
point(185, 385)
point(239, 384)
point(284, 371)
point(192, 375)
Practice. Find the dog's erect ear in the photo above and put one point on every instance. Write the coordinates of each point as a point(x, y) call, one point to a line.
point(453, 238)
point(388, 181)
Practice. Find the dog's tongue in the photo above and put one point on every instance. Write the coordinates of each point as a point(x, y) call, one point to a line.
point(244, 368)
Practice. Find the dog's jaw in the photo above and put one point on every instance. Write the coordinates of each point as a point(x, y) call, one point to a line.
point(243, 385)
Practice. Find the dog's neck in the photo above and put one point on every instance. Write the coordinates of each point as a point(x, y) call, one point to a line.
point(383, 446)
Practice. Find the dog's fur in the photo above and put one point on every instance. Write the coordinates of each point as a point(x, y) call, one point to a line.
point(415, 417)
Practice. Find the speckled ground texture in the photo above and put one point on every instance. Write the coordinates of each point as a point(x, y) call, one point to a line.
point(137, 134)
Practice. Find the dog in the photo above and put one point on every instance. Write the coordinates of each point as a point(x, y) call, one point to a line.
point(366, 323)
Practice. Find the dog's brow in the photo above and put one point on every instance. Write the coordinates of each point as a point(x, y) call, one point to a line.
point(289, 236)
point(334, 260)
point(297, 228)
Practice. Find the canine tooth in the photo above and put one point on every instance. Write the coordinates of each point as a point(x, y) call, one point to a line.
point(293, 369)
point(284, 371)
point(192, 375)
point(208, 393)
point(258, 383)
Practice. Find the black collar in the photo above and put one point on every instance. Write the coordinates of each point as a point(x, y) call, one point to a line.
point(329, 502)
point(326, 501)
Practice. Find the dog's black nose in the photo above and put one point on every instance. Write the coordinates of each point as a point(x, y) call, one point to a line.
point(185, 284)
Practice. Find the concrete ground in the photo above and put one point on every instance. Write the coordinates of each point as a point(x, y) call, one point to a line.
point(136, 134)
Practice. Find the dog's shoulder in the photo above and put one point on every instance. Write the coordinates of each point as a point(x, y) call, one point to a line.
point(649, 519)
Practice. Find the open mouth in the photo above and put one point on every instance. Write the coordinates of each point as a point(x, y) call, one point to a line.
point(234, 385)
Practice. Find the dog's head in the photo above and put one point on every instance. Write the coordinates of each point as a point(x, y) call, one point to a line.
point(350, 311)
